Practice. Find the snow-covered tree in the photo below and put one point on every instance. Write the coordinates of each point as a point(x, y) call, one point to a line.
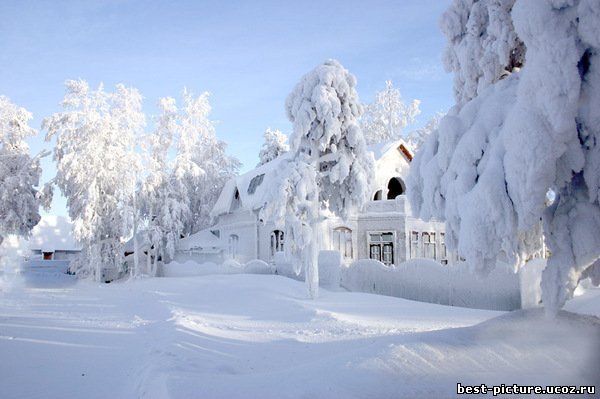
point(482, 44)
point(384, 119)
point(162, 209)
point(20, 195)
point(330, 167)
point(488, 168)
point(97, 168)
point(201, 166)
point(417, 137)
point(274, 145)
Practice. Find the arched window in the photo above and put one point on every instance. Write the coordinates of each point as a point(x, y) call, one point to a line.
point(378, 195)
point(234, 246)
point(276, 242)
point(342, 241)
point(396, 187)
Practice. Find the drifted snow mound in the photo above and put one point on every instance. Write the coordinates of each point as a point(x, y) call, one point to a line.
point(521, 347)
point(258, 266)
point(428, 281)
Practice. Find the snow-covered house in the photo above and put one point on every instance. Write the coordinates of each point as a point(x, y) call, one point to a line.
point(52, 239)
point(383, 229)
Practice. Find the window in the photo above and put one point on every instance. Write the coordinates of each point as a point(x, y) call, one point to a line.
point(443, 251)
point(429, 245)
point(255, 182)
point(395, 188)
point(414, 244)
point(381, 247)
point(378, 195)
point(276, 242)
point(235, 204)
point(234, 246)
point(342, 241)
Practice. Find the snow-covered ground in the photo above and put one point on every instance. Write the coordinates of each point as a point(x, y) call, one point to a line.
point(257, 336)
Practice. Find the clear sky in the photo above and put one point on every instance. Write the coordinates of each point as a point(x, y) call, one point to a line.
point(247, 54)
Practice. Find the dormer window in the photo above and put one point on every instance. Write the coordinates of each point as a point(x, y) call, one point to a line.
point(235, 204)
point(255, 182)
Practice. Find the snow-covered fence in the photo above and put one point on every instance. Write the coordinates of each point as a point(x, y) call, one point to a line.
point(428, 281)
point(191, 268)
point(329, 268)
point(285, 267)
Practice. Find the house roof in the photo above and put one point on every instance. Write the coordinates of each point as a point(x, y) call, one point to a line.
point(53, 233)
point(381, 149)
point(252, 187)
point(203, 239)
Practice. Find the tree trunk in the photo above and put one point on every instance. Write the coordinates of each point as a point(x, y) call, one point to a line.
point(136, 263)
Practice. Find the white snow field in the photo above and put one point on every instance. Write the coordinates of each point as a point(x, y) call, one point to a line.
point(258, 336)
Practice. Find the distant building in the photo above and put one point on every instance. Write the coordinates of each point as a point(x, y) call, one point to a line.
point(384, 229)
point(52, 239)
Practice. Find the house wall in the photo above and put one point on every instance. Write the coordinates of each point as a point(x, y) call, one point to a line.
point(59, 254)
point(264, 242)
point(391, 164)
point(384, 222)
point(244, 225)
point(421, 226)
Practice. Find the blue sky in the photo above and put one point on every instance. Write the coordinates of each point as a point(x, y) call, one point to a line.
point(247, 54)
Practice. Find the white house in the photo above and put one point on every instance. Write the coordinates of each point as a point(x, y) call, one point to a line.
point(384, 228)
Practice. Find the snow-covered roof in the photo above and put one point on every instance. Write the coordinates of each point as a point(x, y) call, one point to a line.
point(252, 187)
point(53, 233)
point(381, 149)
point(142, 243)
point(204, 239)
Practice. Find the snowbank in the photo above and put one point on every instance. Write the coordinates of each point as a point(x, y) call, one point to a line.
point(428, 281)
point(256, 336)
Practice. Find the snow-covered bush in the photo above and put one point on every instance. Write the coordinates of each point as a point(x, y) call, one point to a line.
point(385, 118)
point(489, 167)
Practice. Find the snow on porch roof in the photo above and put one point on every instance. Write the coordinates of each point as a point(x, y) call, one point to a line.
point(204, 239)
point(251, 186)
